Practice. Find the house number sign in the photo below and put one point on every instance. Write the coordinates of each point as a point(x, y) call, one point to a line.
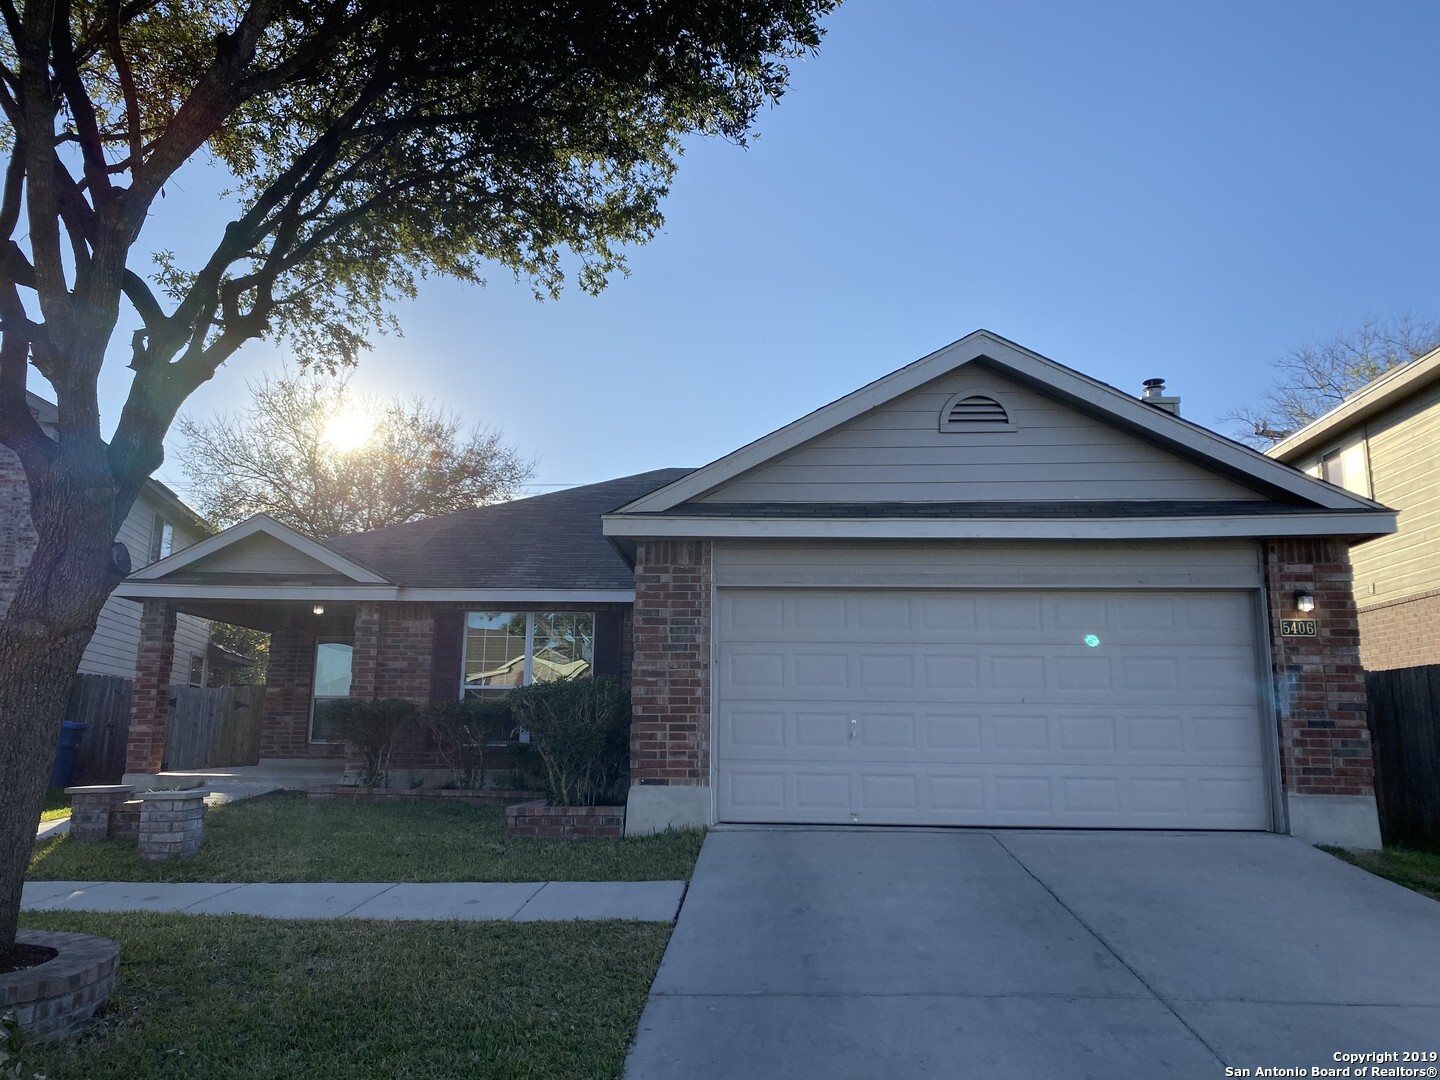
point(1297, 628)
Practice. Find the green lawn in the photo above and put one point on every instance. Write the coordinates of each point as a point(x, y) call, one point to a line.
point(1418, 870)
point(57, 804)
point(220, 997)
point(287, 837)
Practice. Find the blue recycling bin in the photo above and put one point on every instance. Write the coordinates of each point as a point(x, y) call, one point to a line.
point(63, 771)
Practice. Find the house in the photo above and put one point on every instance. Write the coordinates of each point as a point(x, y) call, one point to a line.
point(158, 524)
point(982, 590)
point(1383, 442)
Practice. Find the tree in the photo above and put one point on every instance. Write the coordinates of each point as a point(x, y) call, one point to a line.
point(314, 457)
point(370, 142)
point(1317, 376)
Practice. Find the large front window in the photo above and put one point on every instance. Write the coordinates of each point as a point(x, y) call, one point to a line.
point(332, 683)
point(504, 649)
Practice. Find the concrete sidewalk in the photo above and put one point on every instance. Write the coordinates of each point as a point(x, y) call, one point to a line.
point(555, 901)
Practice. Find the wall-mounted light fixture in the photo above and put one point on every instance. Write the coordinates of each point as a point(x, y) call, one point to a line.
point(1304, 601)
point(319, 609)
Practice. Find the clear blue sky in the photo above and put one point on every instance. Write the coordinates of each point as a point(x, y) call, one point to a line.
point(1133, 189)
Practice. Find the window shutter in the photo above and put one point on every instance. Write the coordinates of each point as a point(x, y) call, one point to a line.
point(446, 657)
point(609, 648)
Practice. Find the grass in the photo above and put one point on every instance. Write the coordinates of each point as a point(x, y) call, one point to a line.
point(1417, 870)
point(222, 997)
point(288, 837)
point(57, 804)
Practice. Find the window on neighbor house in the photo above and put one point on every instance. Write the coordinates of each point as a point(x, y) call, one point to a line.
point(332, 683)
point(1345, 466)
point(504, 649)
point(197, 669)
point(162, 539)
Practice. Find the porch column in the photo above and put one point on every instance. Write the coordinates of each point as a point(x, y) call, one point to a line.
point(150, 701)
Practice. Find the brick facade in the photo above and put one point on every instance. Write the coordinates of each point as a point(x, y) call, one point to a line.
point(1319, 683)
point(670, 687)
point(1401, 633)
point(17, 533)
point(285, 729)
point(150, 700)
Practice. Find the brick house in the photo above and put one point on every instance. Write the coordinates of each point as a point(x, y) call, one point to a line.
point(1383, 442)
point(982, 590)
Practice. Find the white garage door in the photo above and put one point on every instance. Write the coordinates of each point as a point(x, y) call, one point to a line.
point(980, 707)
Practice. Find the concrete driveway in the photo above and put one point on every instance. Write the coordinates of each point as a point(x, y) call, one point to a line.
point(834, 953)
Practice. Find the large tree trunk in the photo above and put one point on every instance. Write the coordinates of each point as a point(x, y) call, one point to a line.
point(42, 638)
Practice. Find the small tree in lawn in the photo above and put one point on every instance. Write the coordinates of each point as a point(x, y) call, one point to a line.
point(323, 460)
point(369, 141)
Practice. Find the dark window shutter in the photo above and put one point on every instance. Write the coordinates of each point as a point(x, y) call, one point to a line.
point(609, 648)
point(446, 658)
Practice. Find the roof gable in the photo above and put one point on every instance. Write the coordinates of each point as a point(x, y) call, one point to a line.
point(1231, 469)
point(259, 547)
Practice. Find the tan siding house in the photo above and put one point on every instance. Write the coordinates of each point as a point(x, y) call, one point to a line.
point(1384, 443)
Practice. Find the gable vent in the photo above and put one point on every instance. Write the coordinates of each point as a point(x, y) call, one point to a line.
point(974, 412)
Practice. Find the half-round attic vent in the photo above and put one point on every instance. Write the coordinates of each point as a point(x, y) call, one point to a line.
point(974, 412)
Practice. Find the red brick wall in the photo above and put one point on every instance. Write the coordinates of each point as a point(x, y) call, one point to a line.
point(670, 677)
point(1319, 683)
point(1401, 633)
point(150, 701)
point(285, 732)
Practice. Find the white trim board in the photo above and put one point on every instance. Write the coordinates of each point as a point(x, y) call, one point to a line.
point(638, 526)
point(132, 589)
point(1105, 401)
point(260, 523)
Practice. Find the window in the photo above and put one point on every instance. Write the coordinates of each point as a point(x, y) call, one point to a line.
point(162, 539)
point(516, 648)
point(1345, 466)
point(197, 669)
point(332, 682)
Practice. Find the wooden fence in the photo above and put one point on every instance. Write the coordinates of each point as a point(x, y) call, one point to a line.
point(102, 704)
point(213, 727)
point(1405, 723)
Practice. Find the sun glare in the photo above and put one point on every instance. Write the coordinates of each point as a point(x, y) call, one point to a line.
point(349, 430)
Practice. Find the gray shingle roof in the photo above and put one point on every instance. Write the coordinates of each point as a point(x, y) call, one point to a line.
point(544, 542)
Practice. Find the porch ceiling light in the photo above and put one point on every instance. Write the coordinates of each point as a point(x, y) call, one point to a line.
point(1304, 601)
point(319, 609)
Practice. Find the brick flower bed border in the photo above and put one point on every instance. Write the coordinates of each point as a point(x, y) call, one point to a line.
point(472, 797)
point(61, 996)
point(539, 818)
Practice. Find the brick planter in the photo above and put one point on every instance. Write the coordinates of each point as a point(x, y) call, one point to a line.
point(172, 824)
point(538, 818)
point(60, 997)
point(91, 807)
point(479, 797)
point(125, 823)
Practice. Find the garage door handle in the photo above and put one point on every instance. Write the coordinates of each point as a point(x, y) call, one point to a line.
point(854, 726)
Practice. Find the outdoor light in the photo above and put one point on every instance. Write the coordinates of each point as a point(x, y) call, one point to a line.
point(319, 609)
point(1304, 601)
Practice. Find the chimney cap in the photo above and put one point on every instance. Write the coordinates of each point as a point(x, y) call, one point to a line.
point(1154, 384)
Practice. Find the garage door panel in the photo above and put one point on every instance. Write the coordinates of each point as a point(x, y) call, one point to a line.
point(990, 708)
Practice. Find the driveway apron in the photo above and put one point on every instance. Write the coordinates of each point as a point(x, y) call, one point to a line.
point(868, 953)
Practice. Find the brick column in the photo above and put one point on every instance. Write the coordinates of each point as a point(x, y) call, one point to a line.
point(150, 701)
point(364, 661)
point(670, 687)
point(1326, 766)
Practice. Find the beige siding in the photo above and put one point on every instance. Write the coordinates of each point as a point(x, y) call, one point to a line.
point(258, 554)
point(977, 564)
point(898, 454)
point(1404, 449)
point(117, 633)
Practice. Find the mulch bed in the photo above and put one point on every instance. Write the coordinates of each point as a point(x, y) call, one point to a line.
point(20, 957)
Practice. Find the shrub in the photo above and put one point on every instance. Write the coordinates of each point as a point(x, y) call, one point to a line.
point(371, 727)
point(466, 731)
point(580, 729)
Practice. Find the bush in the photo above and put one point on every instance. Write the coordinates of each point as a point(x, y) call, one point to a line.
point(466, 731)
point(371, 727)
point(580, 729)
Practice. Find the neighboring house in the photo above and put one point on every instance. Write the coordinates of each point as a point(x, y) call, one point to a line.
point(158, 525)
point(983, 590)
point(1383, 442)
